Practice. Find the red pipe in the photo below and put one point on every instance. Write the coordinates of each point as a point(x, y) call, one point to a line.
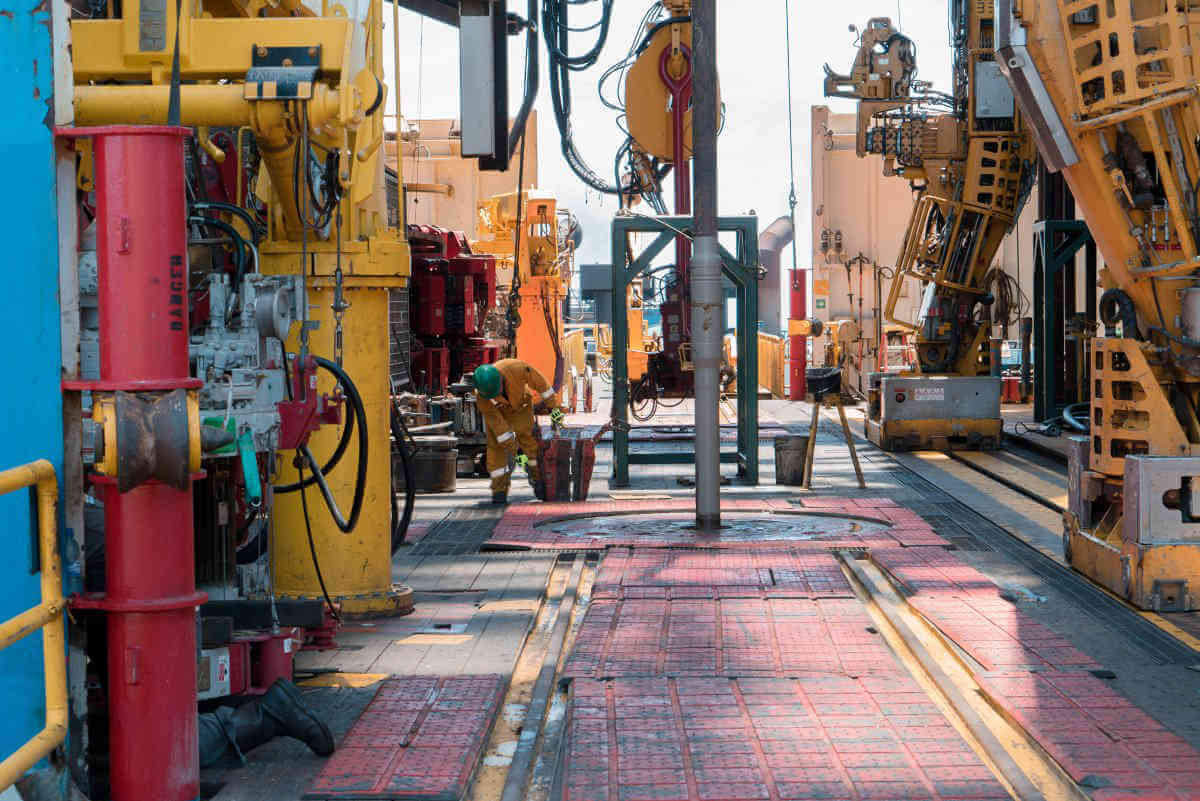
point(150, 590)
point(681, 100)
point(798, 345)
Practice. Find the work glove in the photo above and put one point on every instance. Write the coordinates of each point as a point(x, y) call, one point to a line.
point(557, 418)
point(522, 461)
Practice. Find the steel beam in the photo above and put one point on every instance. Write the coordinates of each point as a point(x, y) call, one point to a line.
point(741, 267)
point(444, 11)
point(708, 303)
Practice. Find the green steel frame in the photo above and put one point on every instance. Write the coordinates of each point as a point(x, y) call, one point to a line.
point(1055, 243)
point(742, 270)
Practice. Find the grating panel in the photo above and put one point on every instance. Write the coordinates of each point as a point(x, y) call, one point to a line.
point(419, 739)
point(713, 739)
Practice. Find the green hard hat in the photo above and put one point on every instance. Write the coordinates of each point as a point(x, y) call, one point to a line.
point(487, 380)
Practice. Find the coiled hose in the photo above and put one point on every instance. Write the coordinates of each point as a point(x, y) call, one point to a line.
point(357, 418)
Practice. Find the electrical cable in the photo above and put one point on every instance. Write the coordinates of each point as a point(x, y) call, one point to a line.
point(787, 34)
point(532, 71)
point(252, 225)
point(312, 546)
point(400, 437)
point(554, 31)
point(240, 244)
point(514, 292)
point(1010, 301)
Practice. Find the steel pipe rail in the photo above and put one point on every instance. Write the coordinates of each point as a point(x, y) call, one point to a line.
point(214, 105)
point(47, 616)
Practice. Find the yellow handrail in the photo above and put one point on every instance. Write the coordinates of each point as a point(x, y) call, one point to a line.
point(47, 616)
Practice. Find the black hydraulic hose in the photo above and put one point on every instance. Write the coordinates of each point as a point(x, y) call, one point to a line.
point(338, 452)
point(360, 482)
point(532, 72)
point(1068, 416)
point(312, 549)
point(335, 511)
point(400, 435)
point(1116, 305)
point(234, 236)
point(251, 224)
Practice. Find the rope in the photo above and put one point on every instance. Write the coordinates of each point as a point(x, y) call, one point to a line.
point(787, 32)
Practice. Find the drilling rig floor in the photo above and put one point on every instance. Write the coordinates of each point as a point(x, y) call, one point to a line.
point(920, 639)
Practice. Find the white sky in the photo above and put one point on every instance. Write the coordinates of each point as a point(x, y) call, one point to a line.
point(753, 158)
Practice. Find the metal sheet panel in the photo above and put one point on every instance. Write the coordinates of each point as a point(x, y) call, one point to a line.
point(32, 409)
point(993, 95)
point(940, 398)
point(1078, 450)
point(1053, 141)
point(1148, 520)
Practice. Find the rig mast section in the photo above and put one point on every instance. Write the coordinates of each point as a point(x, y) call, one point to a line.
point(1110, 92)
point(967, 156)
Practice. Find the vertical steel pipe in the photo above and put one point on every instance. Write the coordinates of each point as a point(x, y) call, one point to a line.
point(708, 307)
point(150, 593)
point(798, 345)
point(1026, 330)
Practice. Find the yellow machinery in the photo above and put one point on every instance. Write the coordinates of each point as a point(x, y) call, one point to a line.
point(1110, 93)
point(300, 86)
point(971, 160)
point(540, 265)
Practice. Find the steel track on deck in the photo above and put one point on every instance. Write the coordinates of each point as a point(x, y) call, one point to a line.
point(1158, 644)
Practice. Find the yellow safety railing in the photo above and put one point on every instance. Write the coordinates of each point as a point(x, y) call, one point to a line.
point(575, 350)
point(47, 616)
point(771, 351)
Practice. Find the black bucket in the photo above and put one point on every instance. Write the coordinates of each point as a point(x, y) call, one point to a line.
point(790, 453)
point(434, 465)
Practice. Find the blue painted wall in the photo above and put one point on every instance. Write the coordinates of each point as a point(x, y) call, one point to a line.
point(31, 403)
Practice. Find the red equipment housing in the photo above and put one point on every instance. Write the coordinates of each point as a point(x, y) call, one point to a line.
point(150, 596)
point(452, 291)
point(798, 345)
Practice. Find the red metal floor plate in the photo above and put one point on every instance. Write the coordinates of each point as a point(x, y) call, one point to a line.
point(1104, 742)
point(820, 737)
point(966, 606)
point(419, 739)
point(674, 573)
point(728, 637)
point(532, 525)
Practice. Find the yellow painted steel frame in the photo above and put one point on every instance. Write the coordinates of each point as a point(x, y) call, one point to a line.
point(936, 434)
point(1123, 75)
point(121, 82)
point(47, 616)
point(542, 272)
point(972, 177)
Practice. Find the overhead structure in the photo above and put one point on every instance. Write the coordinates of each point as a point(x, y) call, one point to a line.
point(969, 158)
point(1109, 93)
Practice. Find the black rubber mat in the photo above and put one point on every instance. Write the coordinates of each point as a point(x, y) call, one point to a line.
point(462, 531)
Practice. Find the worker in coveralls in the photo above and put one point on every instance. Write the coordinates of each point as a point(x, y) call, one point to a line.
point(507, 393)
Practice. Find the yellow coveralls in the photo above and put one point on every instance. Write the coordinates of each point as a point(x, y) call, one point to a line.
point(510, 422)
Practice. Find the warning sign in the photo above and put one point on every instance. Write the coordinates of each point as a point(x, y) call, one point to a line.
point(929, 393)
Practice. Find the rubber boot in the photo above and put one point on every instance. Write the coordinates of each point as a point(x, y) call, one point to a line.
point(285, 706)
point(232, 731)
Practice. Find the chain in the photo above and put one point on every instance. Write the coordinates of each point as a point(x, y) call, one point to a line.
point(340, 305)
